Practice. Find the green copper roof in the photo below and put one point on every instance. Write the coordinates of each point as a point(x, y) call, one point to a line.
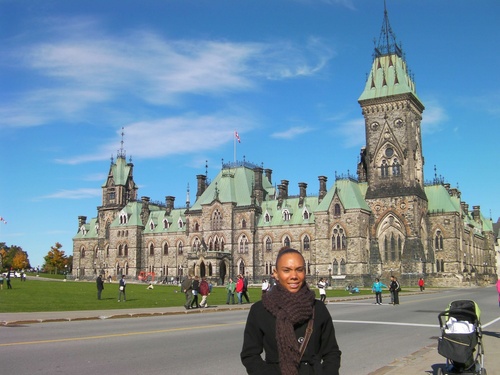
point(298, 214)
point(439, 200)
point(388, 76)
point(232, 185)
point(351, 194)
point(90, 230)
point(120, 171)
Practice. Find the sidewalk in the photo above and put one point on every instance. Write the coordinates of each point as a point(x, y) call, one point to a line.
point(424, 361)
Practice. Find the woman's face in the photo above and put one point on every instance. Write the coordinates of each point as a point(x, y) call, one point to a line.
point(291, 271)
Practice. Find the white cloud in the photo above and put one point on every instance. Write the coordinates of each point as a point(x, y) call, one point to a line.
point(74, 194)
point(172, 136)
point(292, 132)
point(79, 71)
point(352, 133)
point(433, 117)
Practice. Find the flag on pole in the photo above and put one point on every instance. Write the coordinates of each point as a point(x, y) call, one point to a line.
point(237, 136)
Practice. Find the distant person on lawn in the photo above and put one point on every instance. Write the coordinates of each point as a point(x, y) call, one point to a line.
point(100, 286)
point(121, 289)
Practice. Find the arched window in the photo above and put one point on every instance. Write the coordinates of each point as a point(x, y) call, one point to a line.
point(339, 239)
point(384, 169)
point(306, 244)
point(438, 241)
point(151, 226)
point(165, 224)
point(335, 268)
point(216, 220)
point(180, 223)
point(396, 168)
point(342, 267)
point(286, 215)
point(196, 227)
point(267, 218)
point(125, 248)
point(243, 244)
point(180, 248)
point(336, 209)
point(106, 230)
point(305, 215)
point(269, 244)
point(286, 241)
point(151, 249)
point(120, 250)
point(82, 253)
point(165, 249)
point(243, 223)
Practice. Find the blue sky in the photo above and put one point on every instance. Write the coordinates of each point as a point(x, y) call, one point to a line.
point(181, 76)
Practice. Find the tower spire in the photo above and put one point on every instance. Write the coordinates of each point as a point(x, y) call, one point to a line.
point(387, 43)
point(121, 152)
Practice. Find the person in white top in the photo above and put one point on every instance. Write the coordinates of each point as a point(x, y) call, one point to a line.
point(265, 286)
point(322, 290)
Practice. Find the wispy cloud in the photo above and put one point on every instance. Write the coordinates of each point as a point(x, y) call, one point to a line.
point(292, 132)
point(434, 117)
point(79, 71)
point(188, 134)
point(73, 194)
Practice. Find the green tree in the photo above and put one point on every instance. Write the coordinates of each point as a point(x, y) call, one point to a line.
point(55, 259)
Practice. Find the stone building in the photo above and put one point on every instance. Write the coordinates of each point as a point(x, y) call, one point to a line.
point(385, 221)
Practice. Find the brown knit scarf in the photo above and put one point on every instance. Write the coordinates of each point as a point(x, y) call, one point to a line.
point(289, 309)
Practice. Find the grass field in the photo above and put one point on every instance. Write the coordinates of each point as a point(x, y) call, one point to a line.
point(46, 294)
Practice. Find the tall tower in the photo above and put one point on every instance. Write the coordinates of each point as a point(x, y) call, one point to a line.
point(392, 161)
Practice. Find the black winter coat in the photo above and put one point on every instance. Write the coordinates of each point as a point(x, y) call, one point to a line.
point(322, 355)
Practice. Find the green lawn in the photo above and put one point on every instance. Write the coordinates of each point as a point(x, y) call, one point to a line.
point(45, 294)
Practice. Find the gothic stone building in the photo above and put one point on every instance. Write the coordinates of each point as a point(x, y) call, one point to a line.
point(386, 221)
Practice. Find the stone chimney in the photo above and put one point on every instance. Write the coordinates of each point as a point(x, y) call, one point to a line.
point(202, 185)
point(322, 187)
point(145, 210)
point(476, 213)
point(169, 202)
point(302, 193)
point(269, 174)
point(284, 184)
point(258, 190)
point(82, 220)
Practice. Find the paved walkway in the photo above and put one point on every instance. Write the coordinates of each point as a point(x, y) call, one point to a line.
point(424, 361)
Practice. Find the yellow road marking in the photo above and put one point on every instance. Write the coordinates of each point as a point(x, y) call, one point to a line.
point(117, 335)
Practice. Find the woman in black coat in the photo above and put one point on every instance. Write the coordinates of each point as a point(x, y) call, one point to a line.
point(277, 326)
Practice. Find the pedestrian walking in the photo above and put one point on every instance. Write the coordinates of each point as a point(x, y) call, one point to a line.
point(100, 286)
point(377, 289)
point(421, 284)
point(121, 289)
point(322, 289)
point(230, 288)
point(394, 288)
point(187, 289)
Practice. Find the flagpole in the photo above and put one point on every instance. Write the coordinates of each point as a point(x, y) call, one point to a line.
point(234, 140)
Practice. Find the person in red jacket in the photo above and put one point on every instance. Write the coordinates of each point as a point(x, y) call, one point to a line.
point(421, 284)
point(204, 291)
point(240, 286)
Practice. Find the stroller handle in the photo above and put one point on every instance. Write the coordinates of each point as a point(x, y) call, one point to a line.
point(453, 312)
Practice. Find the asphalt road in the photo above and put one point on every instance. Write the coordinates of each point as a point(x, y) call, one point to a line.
point(369, 335)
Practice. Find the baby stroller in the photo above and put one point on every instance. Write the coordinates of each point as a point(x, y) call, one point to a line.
point(461, 339)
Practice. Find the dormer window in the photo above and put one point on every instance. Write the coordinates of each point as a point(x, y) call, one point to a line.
point(267, 218)
point(123, 218)
point(165, 224)
point(180, 223)
point(286, 215)
point(151, 225)
point(305, 214)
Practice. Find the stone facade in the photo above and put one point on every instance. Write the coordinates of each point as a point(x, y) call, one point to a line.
point(386, 221)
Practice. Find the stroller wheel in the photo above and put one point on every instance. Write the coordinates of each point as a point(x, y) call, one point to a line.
point(439, 371)
point(483, 371)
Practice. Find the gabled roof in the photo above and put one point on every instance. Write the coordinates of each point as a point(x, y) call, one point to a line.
point(291, 205)
point(90, 230)
point(351, 195)
point(440, 201)
point(232, 185)
point(120, 171)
